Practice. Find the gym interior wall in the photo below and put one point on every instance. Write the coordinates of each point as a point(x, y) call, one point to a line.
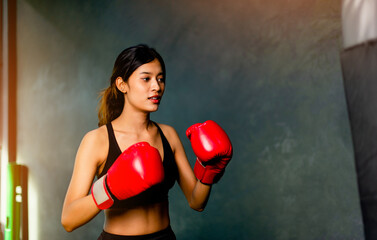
point(267, 71)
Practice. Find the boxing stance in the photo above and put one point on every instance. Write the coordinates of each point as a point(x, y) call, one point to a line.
point(137, 161)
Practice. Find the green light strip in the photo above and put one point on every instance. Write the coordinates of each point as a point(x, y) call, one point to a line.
point(13, 216)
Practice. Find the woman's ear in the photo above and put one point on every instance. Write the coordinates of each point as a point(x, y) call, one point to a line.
point(121, 85)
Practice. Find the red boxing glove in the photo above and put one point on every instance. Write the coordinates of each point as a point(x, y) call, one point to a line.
point(138, 168)
point(213, 149)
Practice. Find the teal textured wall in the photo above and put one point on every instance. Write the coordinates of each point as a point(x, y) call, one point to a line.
point(267, 71)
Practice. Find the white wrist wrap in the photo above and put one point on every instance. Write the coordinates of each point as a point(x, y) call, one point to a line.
point(100, 194)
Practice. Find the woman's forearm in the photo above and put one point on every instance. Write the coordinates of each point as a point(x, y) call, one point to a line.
point(78, 212)
point(199, 196)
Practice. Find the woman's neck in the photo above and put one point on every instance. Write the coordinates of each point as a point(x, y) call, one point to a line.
point(132, 121)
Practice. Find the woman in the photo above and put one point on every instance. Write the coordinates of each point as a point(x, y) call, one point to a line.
point(127, 145)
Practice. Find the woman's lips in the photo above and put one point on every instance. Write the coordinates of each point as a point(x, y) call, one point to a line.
point(155, 99)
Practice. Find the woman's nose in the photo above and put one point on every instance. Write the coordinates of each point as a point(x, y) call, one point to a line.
point(155, 85)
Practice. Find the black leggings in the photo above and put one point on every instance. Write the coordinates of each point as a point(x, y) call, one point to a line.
point(166, 234)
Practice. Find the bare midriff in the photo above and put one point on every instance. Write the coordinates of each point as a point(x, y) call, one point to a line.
point(137, 221)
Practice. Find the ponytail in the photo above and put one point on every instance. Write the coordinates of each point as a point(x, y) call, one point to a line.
point(110, 105)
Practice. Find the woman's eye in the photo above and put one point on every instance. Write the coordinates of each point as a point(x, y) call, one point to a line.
point(161, 79)
point(146, 79)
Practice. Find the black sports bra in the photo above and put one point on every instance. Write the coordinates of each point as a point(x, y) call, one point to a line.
point(155, 194)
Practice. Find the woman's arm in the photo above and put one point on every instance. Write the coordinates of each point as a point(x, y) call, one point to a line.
point(79, 207)
point(196, 193)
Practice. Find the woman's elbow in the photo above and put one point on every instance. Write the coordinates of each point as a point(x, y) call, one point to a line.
point(66, 224)
point(68, 229)
point(197, 208)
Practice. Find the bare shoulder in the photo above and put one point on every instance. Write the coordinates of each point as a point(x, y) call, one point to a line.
point(170, 134)
point(97, 136)
point(95, 145)
point(168, 130)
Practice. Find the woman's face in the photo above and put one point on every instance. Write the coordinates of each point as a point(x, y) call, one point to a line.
point(145, 87)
